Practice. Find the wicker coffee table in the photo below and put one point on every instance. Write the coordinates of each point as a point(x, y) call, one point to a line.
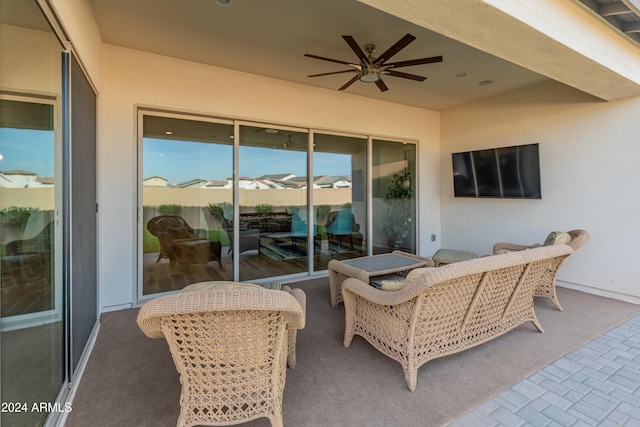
point(365, 268)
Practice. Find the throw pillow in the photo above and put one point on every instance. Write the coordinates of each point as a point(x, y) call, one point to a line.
point(557, 238)
point(394, 285)
point(415, 273)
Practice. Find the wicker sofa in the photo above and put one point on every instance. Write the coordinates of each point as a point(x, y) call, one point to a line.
point(448, 309)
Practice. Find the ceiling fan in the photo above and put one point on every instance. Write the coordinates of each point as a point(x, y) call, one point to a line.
point(370, 69)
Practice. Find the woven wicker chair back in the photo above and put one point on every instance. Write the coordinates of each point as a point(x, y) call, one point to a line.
point(230, 348)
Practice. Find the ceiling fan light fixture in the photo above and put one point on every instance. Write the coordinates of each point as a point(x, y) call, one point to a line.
point(369, 78)
point(223, 2)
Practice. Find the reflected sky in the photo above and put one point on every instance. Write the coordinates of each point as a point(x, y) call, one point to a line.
point(28, 150)
point(176, 161)
point(182, 161)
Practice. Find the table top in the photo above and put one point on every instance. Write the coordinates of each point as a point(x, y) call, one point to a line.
point(383, 262)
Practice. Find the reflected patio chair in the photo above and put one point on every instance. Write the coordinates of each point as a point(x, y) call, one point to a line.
point(299, 228)
point(340, 224)
point(249, 239)
point(181, 243)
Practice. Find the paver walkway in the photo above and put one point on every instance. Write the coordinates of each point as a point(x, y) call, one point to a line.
point(596, 385)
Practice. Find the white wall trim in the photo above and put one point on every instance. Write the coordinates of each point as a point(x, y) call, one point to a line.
point(600, 292)
point(118, 307)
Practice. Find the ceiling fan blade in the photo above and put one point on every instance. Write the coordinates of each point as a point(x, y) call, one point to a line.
point(356, 49)
point(405, 75)
point(349, 83)
point(400, 44)
point(420, 61)
point(334, 72)
point(383, 87)
point(328, 59)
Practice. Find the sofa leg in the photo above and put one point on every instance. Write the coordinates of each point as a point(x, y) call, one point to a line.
point(537, 325)
point(555, 302)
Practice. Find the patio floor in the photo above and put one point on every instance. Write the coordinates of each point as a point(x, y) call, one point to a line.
point(582, 371)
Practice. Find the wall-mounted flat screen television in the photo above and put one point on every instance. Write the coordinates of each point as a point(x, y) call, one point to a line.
point(506, 172)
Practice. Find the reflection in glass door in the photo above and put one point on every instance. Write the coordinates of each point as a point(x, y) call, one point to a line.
point(228, 200)
point(275, 230)
point(339, 197)
point(393, 196)
point(31, 298)
point(186, 202)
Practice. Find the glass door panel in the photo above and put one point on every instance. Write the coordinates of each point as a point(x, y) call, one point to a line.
point(31, 299)
point(32, 326)
point(393, 196)
point(339, 197)
point(274, 227)
point(187, 203)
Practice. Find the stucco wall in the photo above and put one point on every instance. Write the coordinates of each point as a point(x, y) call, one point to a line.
point(590, 176)
point(131, 78)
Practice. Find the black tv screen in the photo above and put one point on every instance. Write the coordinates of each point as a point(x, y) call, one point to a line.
point(506, 172)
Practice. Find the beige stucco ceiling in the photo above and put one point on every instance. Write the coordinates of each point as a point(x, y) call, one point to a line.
point(270, 38)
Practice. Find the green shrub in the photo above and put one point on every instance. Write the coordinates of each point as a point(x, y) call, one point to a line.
point(261, 209)
point(169, 209)
point(227, 208)
point(16, 216)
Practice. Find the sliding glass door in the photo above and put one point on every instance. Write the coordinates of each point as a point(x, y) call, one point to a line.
point(186, 217)
point(340, 197)
point(275, 229)
point(394, 196)
point(231, 200)
point(32, 312)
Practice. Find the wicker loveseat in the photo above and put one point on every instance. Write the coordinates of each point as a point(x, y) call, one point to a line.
point(231, 346)
point(547, 287)
point(448, 309)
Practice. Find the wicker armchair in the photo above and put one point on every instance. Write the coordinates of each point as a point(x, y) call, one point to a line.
point(182, 244)
point(547, 286)
point(448, 309)
point(231, 348)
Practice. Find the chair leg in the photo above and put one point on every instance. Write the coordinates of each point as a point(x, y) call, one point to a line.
point(276, 421)
point(411, 377)
point(349, 318)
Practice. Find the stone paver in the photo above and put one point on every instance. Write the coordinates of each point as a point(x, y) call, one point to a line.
point(596, 385)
